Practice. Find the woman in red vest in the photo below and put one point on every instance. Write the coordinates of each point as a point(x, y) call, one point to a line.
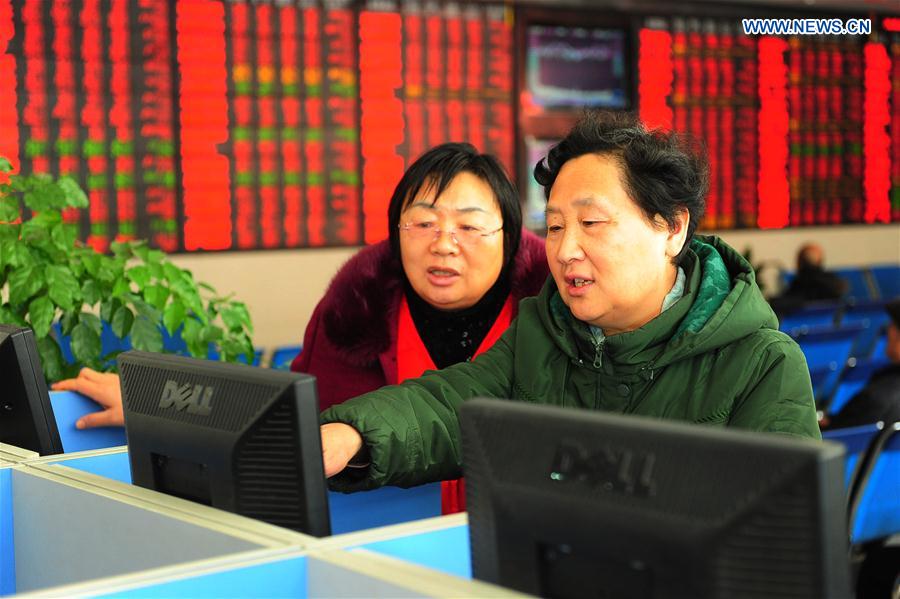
point(440, 290)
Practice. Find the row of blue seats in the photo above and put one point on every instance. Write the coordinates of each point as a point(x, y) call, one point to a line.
point(872, 479)
point(873, 283)
point(280, 359)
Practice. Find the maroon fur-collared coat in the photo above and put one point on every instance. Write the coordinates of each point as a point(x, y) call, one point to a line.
point(350, 344)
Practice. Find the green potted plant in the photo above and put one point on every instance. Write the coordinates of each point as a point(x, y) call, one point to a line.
point(47, 275)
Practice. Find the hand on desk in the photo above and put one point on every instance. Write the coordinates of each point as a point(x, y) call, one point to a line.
point(104, 389)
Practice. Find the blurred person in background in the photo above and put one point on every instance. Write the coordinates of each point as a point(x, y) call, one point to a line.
point(879, 400)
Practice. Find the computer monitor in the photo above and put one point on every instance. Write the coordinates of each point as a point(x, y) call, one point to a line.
point(574, 67)
point(26, 416)
point(239, 438)
point(573, 503)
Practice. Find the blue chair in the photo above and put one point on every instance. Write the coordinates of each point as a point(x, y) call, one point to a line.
point(828, 349)
point(887, 278)
point(859, 287)
point(875, 502)
point(284, 355)
point(823, 379)
point(851, 382)
point(870, 315)
point(880, 347)
point(811, 316)
point(856, 441)
point(821, 346)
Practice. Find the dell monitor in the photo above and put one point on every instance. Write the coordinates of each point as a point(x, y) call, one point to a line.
point(571, 503)
point(238, 438)
point(26, 416)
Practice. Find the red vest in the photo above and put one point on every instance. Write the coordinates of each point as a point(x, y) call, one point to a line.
point(413, 360)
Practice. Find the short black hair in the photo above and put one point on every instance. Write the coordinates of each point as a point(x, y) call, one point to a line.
point(436, 168)
point(663, 172)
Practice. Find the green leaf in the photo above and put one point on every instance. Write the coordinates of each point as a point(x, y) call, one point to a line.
point(212, 333)
point(68, 322)
point(41, 312)
point(122, 321)
point(23, 284)
point(74, 195)
point(236, 316)
point(63, 287)
point(108, 308)
point(91, 292)
point(121, 288)
point(51, 358)
point(141, 249)
point(5, 165)
point(63, 236)
point(91, 261)
point(22, 256)
point(43, 194)
point(193, 338)
point(156, 295)
point(92, 321)
point(173, 315)
point(139, 275)
point(85, 343)
point(9, 209)
point(146, 336)
point(146, 310)
point(8, 316)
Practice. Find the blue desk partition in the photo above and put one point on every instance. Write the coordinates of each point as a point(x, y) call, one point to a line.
point(350, 512)
point(68, 407)
point(283, 578)
point(445, 550)
point(7, 547)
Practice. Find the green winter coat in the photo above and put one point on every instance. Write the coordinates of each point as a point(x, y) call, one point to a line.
point(715, 357)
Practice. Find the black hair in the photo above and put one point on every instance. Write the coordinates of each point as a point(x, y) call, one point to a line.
point(663, 172)
point(436, 168)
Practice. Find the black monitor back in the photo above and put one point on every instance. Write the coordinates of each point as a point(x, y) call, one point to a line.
point(571, 503)
point(26, 416)
point(239, 438)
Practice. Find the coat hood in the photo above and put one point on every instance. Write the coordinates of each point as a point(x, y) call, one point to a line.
point(360, 306)
point(721, 304)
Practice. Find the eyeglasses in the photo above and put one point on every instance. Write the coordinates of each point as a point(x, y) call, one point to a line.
point(467, 235)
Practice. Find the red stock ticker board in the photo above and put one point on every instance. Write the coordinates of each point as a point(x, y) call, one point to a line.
point(800, 130)
point(205, 125)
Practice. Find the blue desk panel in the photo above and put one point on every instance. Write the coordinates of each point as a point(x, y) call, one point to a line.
point(7, 549)
point(112, 465)
point(350, 512)
point(68, 407)
point(445, 550)
point(284, 578)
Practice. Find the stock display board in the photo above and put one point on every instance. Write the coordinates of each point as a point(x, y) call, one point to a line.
point(222, 125)
point(801, 130)
point(239, 124)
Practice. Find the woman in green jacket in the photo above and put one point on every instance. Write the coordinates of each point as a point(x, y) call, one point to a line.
point(639, 317)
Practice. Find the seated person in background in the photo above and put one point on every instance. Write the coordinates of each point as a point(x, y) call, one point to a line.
point(441, 289)
point(879, 400)
point(638, 318)
point(812, 282)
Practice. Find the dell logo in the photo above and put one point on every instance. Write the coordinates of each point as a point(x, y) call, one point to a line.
point(196, 398)
point(612, 469)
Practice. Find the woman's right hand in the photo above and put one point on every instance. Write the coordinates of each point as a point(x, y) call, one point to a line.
point(101, 387)
point(340, 442)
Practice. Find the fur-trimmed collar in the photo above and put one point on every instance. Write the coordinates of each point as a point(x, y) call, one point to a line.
point(360, 305)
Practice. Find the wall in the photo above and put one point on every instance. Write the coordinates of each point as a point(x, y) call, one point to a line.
point(282, 287)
